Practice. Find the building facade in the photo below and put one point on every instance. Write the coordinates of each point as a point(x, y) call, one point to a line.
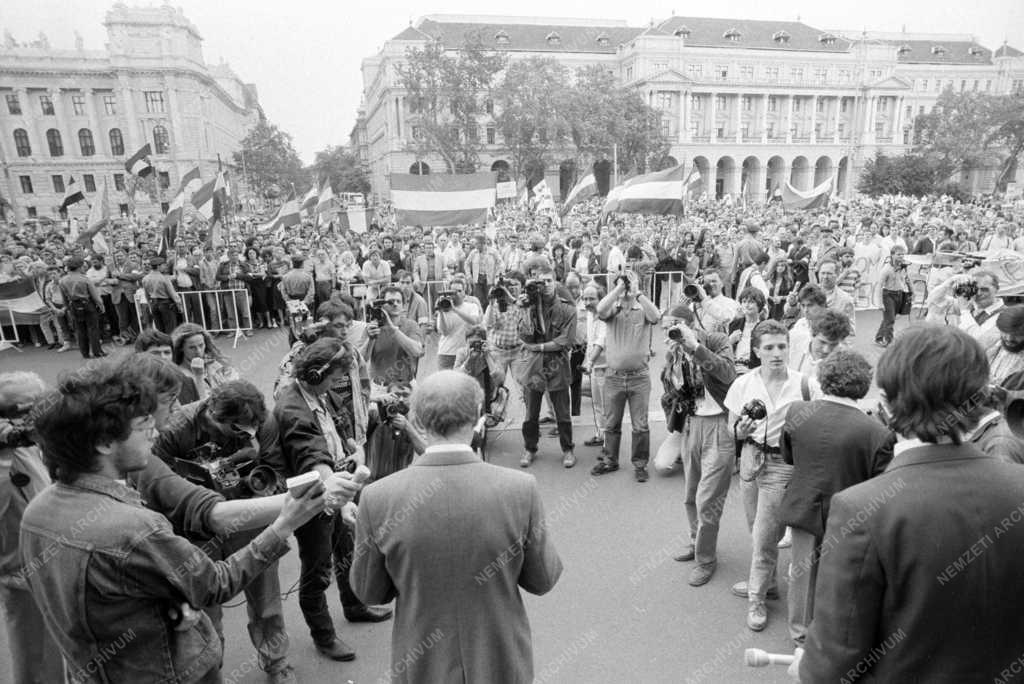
point(751, 104)
point(81, 114)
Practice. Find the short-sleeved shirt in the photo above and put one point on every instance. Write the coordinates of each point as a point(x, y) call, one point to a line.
point(628, 339)
point(751, 386)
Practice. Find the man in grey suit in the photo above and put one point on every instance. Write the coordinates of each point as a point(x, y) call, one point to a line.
point(452, 539)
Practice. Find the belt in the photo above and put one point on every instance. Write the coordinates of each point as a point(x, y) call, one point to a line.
point(516, 347)
point(628, 373)
point(763, 448)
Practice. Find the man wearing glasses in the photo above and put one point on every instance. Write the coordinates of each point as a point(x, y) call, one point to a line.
point(979, 312)
point(396, 345)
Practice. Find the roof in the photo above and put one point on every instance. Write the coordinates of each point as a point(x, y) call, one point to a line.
point(940, 52)
point(1007, 51)
point(753, 33)
point(525, 37)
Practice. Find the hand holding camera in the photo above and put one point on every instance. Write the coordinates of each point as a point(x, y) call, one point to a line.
point(681, 334)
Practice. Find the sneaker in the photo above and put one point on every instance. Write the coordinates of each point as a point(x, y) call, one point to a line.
point(757, 616)
point(603, 467)
point(787, 540)
point(641, 474)
point(740, 589)
point(568, 459)
point(546, 419)
point(594, 441)
point(527, 459)
point(701, 575)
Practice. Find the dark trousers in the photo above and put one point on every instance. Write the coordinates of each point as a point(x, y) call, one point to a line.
point(324, 542)
point(531, 427)
point(891, 301)
point(480, 290)
point(575, 387)
point(87, 329)
point(165, 315)
point(110, 313)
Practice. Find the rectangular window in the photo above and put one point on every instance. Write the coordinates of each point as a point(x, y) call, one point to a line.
point(820, 75)
point(629, 73)
point(748, 103)
point(924, 84)
point(820, 107)
point(988, 86)
point(489, 106)
point(875, 73)
point(417, 132)
point(58, 183)
point(31, 211)
point(722, 72)
point(720, 102)
point(797, 104)
point(879, 130)
point(771, 73)
point(13, 104)
point(490, 136)
point(154, 101)
point(720, 132)
point(473, 133)
point(963, 85)
point(773, 103)
point(119, 182)
point(90, 182)
point(666, 127)
point(842, 129)
point(817, 130)
point(660, 66)
point(844, 104)
point(845, 75)
point(906, 136)
point(881, 105)
point(664, 100)
point(78, 104)
point(165, 180)
point(695, 70)
point(796, 73)
point(46, 105)
point(771, 129)
point(745, 130)
point(697, 103)
point(976, 84)
point(747, 73)
point(110, 104)
point(123, 208)
point(694, 128)
point(26, 184)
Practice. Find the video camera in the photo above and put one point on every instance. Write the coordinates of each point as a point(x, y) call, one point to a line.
point(534, 289)
point(967, 290)
point(445, 300)
point(234, 476)
point(501, 294)
point(375, 312)
point(21, 430)
point(692, 291)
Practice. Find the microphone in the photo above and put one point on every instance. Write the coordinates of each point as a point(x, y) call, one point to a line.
point(755, 657)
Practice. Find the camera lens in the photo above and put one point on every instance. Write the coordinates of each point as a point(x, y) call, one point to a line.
point(675, 334)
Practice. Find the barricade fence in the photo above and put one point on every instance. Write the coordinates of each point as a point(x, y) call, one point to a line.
point(214, 310)
point(11, 339)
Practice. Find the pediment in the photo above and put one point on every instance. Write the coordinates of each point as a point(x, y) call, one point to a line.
point(892, 83)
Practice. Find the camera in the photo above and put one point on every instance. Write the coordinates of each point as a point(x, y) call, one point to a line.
point(375, 312)
point(235, 476)
point(534, 288)
point(22, 427)
point(967, 290)
point(391, 407)
point(476, 346)
point(675, 334)
point(500, 294)
point(445, 301)
point(755, 410)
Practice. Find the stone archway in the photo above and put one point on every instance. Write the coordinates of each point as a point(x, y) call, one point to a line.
point(823, 170)
point(726, 178)
point(420, 168)
point(666, 162)
point(752, 179)
point(800, 173)
point(843, 177)
point(503, 170)
point(777, 175)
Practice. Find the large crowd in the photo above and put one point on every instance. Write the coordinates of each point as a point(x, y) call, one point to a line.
point(758, 378)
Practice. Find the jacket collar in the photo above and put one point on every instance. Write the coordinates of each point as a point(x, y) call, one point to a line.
point(447, 454)
point(112, 488)
point(926, 453)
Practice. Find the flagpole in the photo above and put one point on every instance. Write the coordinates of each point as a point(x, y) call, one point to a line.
point(615, 162)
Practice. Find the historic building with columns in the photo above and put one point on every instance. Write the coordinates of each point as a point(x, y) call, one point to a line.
point(749, 103)
point(82, 113)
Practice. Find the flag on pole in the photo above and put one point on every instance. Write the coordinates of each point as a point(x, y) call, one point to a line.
point(442, 199)
point(189, 181)
point(72, 195)
point(584, 189)
point(289, 214)
point(99, 218)
point(325, 202)
point(138, 164)
point(659, 193)
point(20, 300)
point(810, 199)
point(355, 219)
point(203, 198)
point(309, 202)
point(694, 185)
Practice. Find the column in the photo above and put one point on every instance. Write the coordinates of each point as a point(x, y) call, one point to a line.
point(739, 118)
point(712, 107)
point(764, 118)
point(835, 120)
point(173, 122)
point(684, 116)
point(897, 121)
point(789, 119)
point(869, 119)
point(814, 119)
point(60, 122)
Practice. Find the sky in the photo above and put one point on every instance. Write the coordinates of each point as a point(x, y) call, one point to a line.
point(305, 56)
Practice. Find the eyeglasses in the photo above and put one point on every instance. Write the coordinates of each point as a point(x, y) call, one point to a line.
point(393, 302)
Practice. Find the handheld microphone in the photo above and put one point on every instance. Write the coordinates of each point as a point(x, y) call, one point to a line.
point(755, 657)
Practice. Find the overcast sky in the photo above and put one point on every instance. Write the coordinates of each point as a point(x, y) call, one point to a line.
point(304, 56)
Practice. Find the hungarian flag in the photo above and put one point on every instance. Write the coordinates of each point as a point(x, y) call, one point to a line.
point(694, 185)
point(659, 193)
point(289, 214)
point(442, 199)
point(326, 200)
point(355, 219)
point(72, 195)
point(205, 198)
point(20, 300)
point(811, 199)
point(584, 189)
point(310, 201)
point(99, 218)
point(189, 182)
point(138, 164)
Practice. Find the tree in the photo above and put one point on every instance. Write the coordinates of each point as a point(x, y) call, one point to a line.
point(1007, 119)
point(272, 166)
point(345, 171)
point(909, 174)
point(445, 94)
point(533, 118)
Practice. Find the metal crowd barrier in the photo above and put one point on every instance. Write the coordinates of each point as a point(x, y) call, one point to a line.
point(209, 309)
point(5, 341)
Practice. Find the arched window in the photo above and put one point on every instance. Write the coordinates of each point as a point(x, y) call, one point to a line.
point(419, 168)
point(85, 142)
point(116, 142)
point(161, 143)
point(21, 142)
point(53, 140)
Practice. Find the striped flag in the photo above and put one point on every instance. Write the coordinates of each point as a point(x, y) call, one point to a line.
point(99, 218)
point(658, 193)
point(355, 219)
point(72, 195)
point(811, 199)
point(584, 189)
point(189, 182)
point(138, 164)
point(326, 200)
point(289, 214)
point(209, 199)
point(694, 184)
point(309, 202)
point(442, 200)
point(20, 299)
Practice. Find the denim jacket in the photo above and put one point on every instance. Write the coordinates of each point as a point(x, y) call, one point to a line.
point(105, 570)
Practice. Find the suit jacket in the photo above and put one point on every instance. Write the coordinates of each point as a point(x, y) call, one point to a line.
point(925, 568)
point(854, 448)
point(452, 539)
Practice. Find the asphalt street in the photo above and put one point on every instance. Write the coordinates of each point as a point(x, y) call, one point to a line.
point(622, 610)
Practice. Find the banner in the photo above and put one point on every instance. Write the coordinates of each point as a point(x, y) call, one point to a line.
point(19, 297)
point(506, 190)
point(657, 194)
point(442, 199)
point(811, 199)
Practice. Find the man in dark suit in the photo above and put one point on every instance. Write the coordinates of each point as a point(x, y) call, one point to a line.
point(452, 539)
point(924, 581)
point(831, 445)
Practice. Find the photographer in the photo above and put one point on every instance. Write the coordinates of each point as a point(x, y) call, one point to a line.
point(34, 654)
point(231, 436)
point(756, 403)
point(125, 568)
point(396, 344)
point(699, 369)
point(392, 441)
point(501, 322)
point(896, 294)
point(454, 313)
point(306, 410)
point(547, 328)
point(975, 297)
point(714, 309)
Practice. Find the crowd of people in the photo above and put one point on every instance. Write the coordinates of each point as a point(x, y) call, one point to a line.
point(753, 308)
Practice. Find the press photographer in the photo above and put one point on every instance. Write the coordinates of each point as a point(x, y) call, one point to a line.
point(501, 322)
point(547, 328)
point(975, 297)
point(392, 441)
point(454, 313)
point(714, 309)
point(229, 443)
point(396, 344)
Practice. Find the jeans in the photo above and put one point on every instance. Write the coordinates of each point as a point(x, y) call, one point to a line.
point(263, 606)
point(325, 542)
point(531, 428)
point(891, 300)
point(165, 315)
point(762, 495)
point(597, 398)
point(803, 575)
point(707, 458)
point(35, 657)
point(236, 307)
point(576, 385)
point(621, 387)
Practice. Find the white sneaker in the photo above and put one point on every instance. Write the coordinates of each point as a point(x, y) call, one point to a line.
point(66, 347)
point(787, 540)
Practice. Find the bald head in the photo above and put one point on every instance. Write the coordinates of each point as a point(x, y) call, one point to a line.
point(447, 403)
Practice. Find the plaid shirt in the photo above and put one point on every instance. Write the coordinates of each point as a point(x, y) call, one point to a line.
point(503, 328)
point(848, 281)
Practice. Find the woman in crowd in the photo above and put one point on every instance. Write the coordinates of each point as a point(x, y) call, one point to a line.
point(193, 351)
point(257, 283)
point(278, 266)
point(559, 261)
point(780, 285)
point(752, 305)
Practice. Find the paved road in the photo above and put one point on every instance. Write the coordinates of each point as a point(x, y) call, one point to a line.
point(622, 610)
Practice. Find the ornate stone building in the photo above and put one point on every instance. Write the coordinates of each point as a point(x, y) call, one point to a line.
point(81, 113)
point(749, 103)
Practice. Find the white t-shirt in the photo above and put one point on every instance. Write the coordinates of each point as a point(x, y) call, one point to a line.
point(456, 339)
point(751, 386)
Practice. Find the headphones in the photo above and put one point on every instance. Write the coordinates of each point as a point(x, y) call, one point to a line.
point(315, 376)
